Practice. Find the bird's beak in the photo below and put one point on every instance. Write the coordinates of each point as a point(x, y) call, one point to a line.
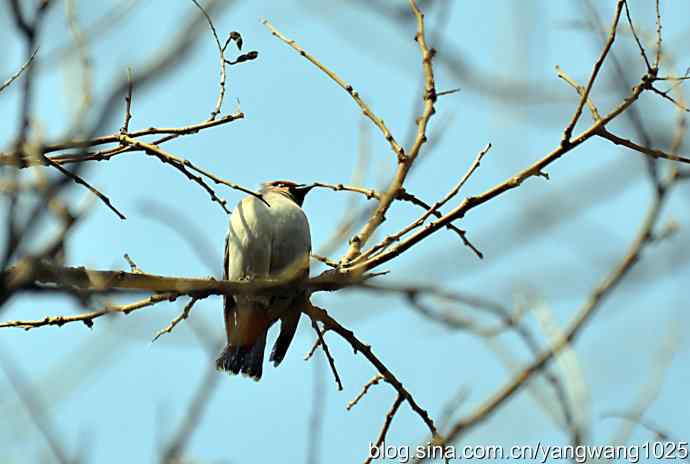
point(305, 187)
point(300, 191)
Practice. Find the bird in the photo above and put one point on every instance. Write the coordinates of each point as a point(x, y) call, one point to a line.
point(268, 238)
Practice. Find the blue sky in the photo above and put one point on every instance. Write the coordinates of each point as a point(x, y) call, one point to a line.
point(116, 396)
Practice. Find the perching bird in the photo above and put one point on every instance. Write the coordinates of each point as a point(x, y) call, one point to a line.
point(265, 241)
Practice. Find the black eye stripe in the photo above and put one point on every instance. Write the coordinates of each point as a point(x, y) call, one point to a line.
point(284, 184)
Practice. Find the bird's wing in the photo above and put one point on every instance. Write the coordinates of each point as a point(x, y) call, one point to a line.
point(290, 249)
point(225, 256)
point(247, 256)
point(249, 238)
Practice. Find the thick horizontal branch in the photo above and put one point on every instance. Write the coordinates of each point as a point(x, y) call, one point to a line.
point(27, 273)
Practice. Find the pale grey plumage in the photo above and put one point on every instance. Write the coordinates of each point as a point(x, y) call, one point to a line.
point(267, 238)
point(264, 241)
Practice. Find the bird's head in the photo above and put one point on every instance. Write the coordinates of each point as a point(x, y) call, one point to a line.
point(295, 191)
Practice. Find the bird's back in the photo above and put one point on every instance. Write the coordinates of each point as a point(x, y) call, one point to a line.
point(265, 241)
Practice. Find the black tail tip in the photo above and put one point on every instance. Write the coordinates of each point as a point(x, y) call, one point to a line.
point(241, 360)
point(276, 357)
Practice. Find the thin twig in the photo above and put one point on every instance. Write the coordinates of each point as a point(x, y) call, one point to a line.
point(536, 169)
point(403, 195)
point(378, 122)
point(404, 162)
point(665, 95)
point(567, 133)
point(327, 352)
point(183, 315)
point(185, 166)
point(14, 76)
point(10, 159)
point(386, 425)
point(637, 39)
point(331, 324)
point(452, 406)
point(654, 153)
point(657, 58)
point(659, 434)
point(433, 210)
point(87, 318)
point(132, 265)
point(221, 52)
point(633, 115)
point(581, 91)
point(79, 180)
point(374, 381)
point(324, 259)
point(128, 103)
point(583, 316)
point(312, 350)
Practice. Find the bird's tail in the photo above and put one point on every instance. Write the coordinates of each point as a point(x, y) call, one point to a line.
point(243, 359)
point(288, 325)
point(246, 325)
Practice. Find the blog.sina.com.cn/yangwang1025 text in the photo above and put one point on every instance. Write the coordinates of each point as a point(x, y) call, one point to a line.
point(538, 452)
